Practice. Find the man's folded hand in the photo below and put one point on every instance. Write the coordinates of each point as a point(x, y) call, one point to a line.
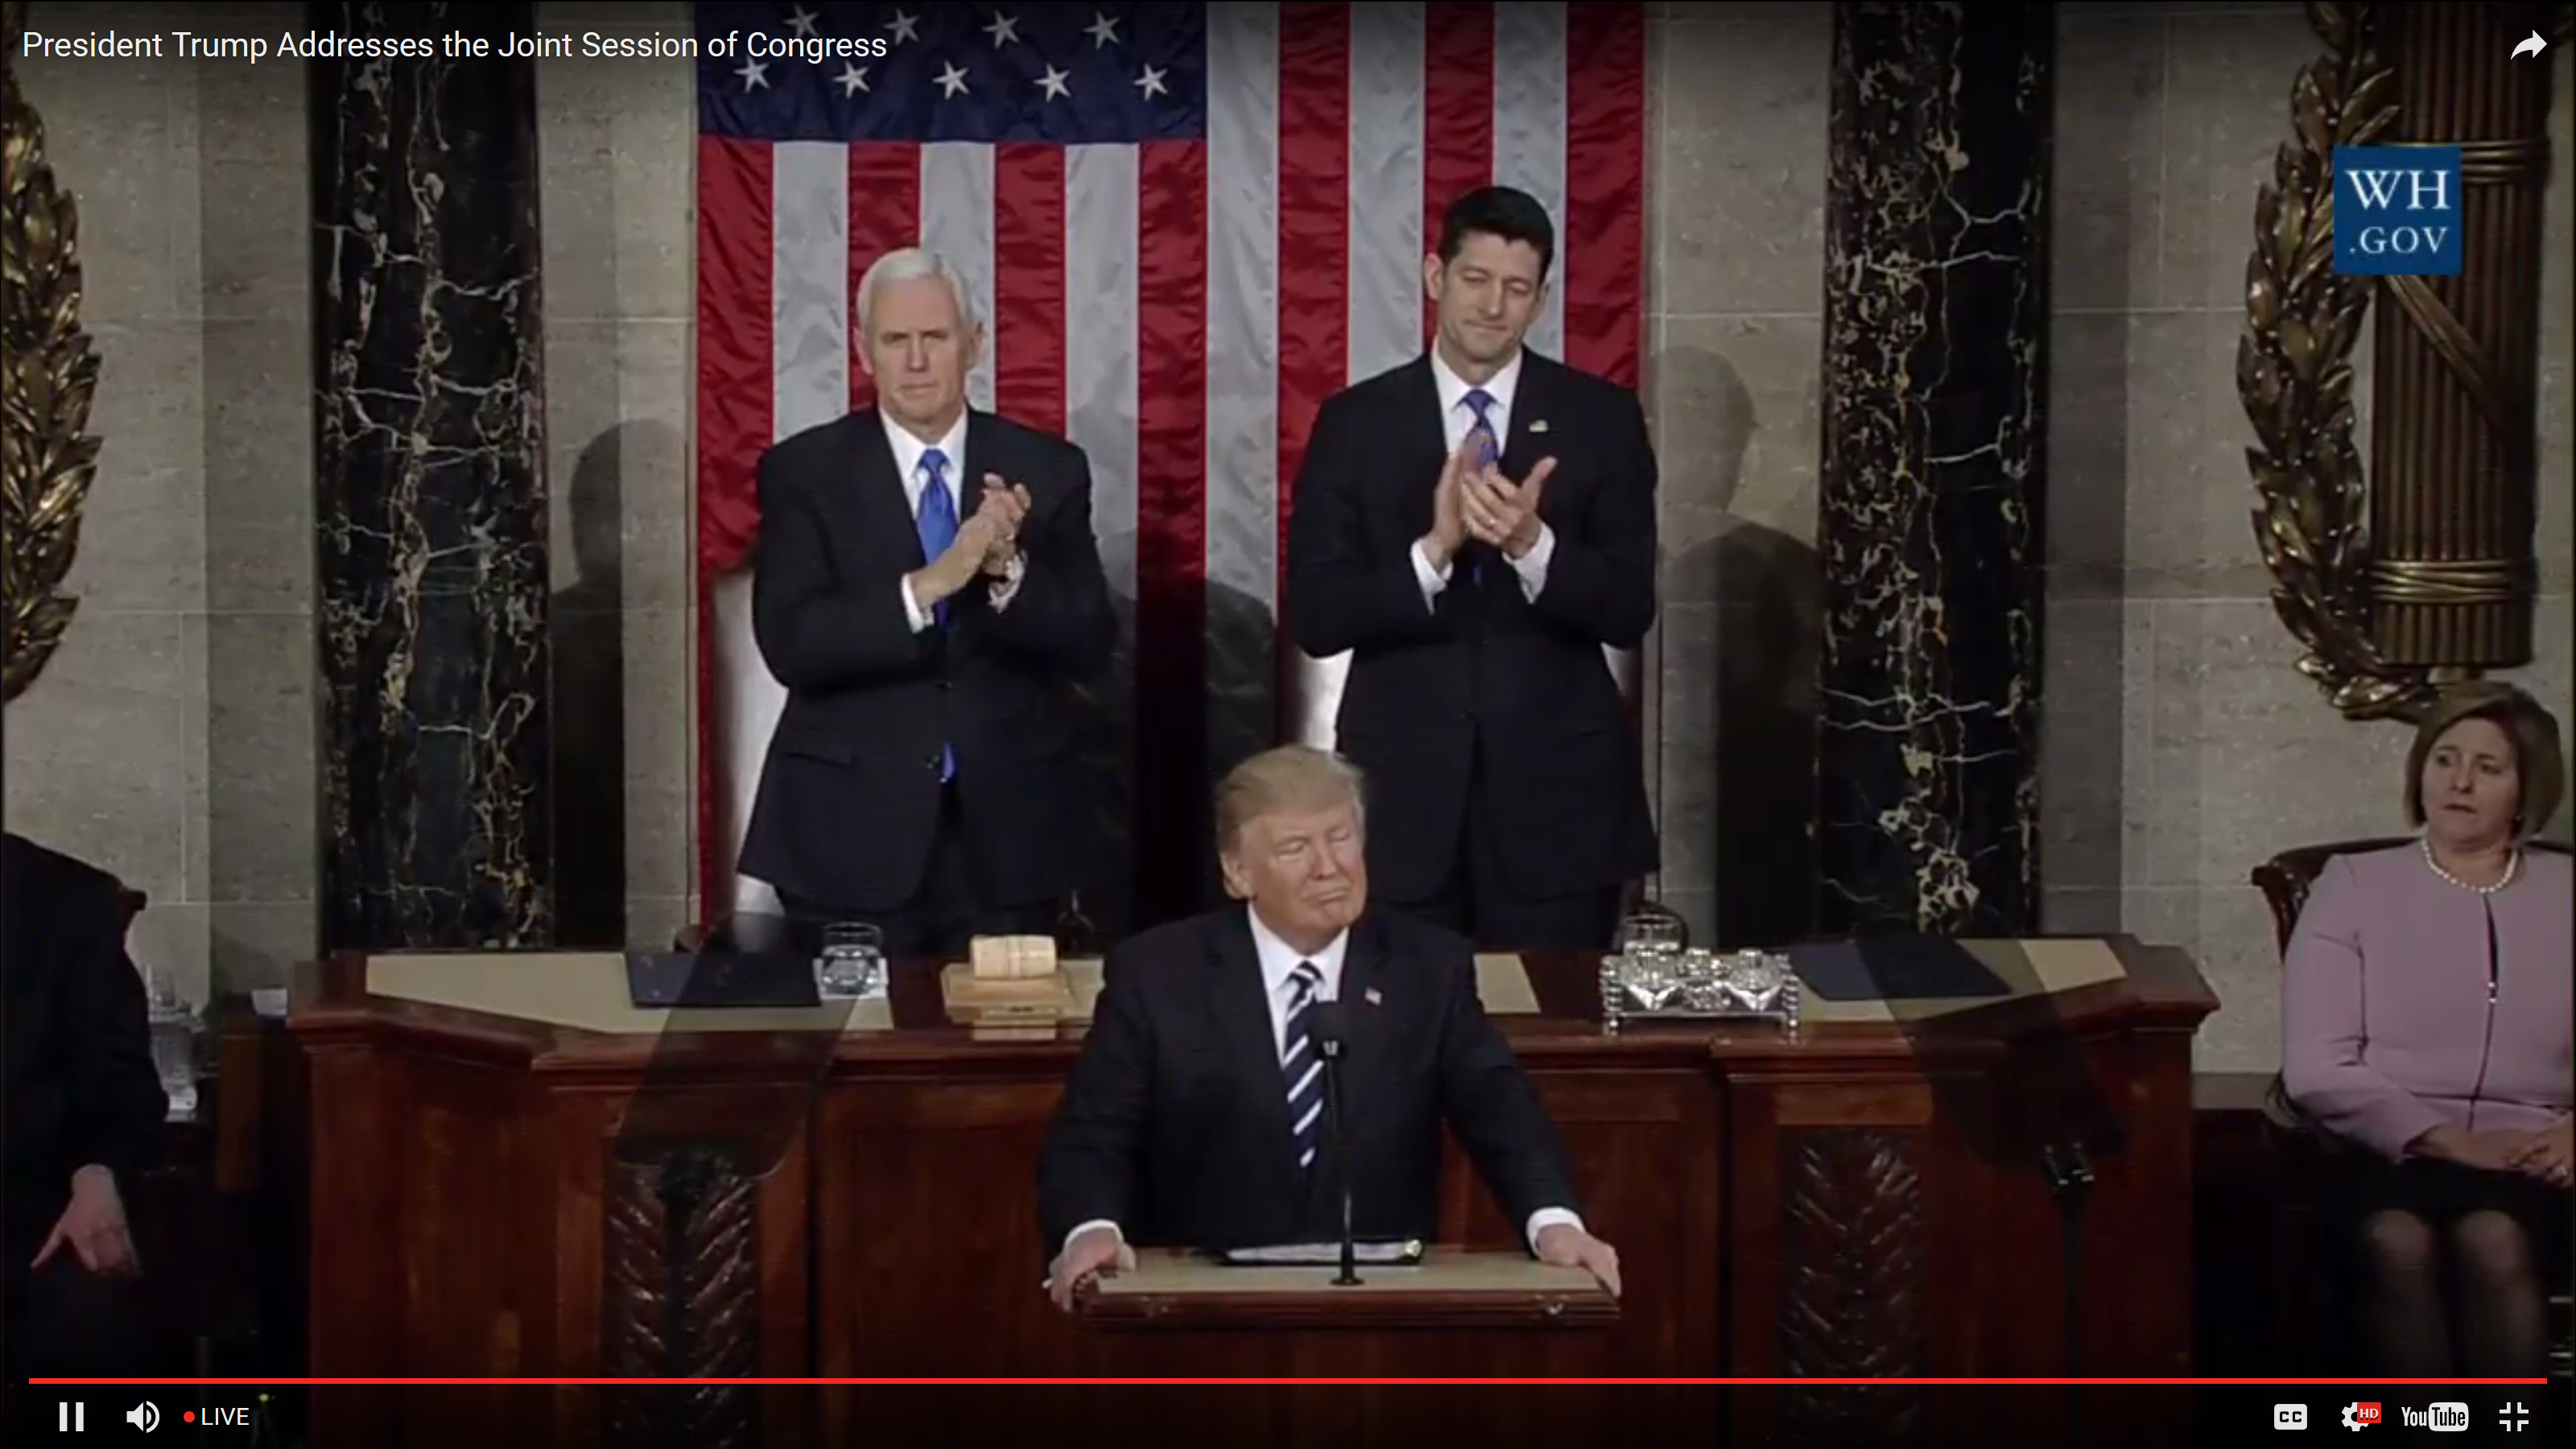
point(1092, 1252)
point(93, 1227)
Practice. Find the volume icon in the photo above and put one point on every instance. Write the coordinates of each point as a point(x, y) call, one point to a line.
point(145, 1416)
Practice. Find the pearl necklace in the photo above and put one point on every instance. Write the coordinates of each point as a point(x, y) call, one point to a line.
point(2512, 866)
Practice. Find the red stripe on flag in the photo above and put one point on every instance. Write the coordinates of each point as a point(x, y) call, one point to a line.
point(1457, 115)
point(735, 408)
point(1314, 206)
point(1171, 528)
point(1602, 248)
point(1027, 333)
point(1604, 226)
point(885, 216)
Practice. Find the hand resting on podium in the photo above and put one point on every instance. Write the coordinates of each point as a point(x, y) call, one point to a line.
point(1101, 1251)
point(1279, 1072)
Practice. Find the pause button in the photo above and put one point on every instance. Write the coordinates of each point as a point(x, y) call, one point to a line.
point(71, 1418)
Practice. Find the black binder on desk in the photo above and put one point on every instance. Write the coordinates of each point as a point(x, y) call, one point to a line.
point(715, 979)
point(1895, 968)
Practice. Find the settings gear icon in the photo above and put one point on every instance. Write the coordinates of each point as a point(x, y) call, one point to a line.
point(2349, 1421)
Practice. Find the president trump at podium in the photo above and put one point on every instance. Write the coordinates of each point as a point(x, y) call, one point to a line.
point(1196, 1115)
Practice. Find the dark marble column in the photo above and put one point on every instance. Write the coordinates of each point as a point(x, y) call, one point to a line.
point(429, 469)
point(1936, 317)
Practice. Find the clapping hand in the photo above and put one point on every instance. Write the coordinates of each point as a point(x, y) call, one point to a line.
point(1007, 505)
point(1502, 513)
point(1448, 510)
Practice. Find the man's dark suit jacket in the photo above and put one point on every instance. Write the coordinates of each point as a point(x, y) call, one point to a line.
point(850, 792)
point(1174, 1123)
point(82, 1087)
point(1487, 676)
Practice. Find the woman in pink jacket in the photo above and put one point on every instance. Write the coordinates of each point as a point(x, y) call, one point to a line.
point(2425, 1021)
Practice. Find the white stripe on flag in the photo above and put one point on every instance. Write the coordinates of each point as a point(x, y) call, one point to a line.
point(1242, 379)
point(1529, 133)
point(809, 271)
point(1388, 44)
point(1100, 343)
point(957, 223)
point(1387, 48)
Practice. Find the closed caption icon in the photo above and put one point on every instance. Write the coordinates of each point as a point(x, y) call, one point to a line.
point(2289, 1416)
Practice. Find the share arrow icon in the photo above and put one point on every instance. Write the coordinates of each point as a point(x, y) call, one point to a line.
point(2531, 44)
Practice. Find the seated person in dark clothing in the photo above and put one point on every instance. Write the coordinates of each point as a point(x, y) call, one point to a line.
point(85, 1116)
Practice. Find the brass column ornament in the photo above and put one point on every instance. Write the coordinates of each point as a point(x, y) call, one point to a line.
point(47, 373)
point(2421, 571)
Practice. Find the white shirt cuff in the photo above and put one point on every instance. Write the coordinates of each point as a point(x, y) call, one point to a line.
point(1550, 1217)
point(912, 610)
point(1532, 566)
point(1007, 587)
point(1083, 1228)
point(1430, 579)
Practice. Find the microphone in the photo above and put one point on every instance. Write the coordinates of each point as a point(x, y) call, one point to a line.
point(1328, 1027)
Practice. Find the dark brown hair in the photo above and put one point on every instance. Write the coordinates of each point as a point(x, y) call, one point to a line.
point(2539, 763)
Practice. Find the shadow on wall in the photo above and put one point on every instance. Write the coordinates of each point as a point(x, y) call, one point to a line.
point(1768, 591)
point(587, 626)
point(1240, 710)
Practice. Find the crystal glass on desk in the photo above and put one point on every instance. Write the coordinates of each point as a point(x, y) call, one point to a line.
point(1698, 985)
point(851, 964)
point(1652, 936)
point(175, 1039)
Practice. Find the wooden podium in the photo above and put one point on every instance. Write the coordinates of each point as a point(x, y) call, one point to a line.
point(516, 1174)
point(1458, 1314)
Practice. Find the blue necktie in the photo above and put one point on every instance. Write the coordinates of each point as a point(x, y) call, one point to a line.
point(938, 525)
point(1303, 1067)
point(1485, 453)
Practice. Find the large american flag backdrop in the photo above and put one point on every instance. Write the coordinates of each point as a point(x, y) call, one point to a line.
point(1185, 226)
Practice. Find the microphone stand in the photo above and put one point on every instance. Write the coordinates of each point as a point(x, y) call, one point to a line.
point(1327, 1030)
point(2069, 1172)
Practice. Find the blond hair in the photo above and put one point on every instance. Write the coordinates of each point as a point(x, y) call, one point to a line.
point(2539, 763)
point(1285, 778)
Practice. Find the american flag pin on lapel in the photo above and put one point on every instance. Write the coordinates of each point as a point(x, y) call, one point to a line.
point(1372, 998)
point(1538, 425)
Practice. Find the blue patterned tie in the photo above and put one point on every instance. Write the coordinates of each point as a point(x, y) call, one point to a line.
point(1485, 453)
point(1303, 1066)
point(938, 525)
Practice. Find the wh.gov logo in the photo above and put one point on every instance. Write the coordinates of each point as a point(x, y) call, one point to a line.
point(2397, 211)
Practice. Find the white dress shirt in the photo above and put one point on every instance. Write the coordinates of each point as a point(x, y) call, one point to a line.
point(1457, 417)
point(1278, 969)
point(908, 453)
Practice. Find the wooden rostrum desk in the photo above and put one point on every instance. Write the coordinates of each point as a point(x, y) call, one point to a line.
point(517, 1175)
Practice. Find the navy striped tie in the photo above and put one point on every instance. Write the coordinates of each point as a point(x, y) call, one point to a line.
point(1303, 1066)
point(1486, 452)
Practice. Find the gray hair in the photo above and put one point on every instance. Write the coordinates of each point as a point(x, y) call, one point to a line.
point(1286, 778)
point(911, 264)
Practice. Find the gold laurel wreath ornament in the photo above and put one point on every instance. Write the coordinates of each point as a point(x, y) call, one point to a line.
point(47, 374)
point(2294, 375)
